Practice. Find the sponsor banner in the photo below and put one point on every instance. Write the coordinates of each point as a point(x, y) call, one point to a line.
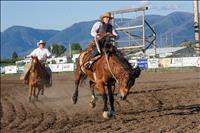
point(176, 62)
point(166, 62)
point(2, 69)
point(56, 67)
point(189, 61)
point(152, 63)
point(68, 67)
point(197, 62)
point(142, 63)
point(10, 69)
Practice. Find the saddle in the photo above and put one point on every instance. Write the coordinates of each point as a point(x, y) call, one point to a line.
point(105, 41)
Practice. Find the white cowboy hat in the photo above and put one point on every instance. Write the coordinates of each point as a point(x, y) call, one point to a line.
point(40, 42)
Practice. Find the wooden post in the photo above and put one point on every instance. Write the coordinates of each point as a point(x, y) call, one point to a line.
point(154, 45)
point(196, 27)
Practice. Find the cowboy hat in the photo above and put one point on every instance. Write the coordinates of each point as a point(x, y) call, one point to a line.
point(106, 14)
point(40, 42)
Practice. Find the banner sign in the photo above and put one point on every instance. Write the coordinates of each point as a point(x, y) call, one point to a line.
point(176, 62)
point(164, 62)
point(142, 63)
point(68, 67)
point(2, 69)
point(56, 67)
point(152, 63)
point(197, 62)
point(10, 69)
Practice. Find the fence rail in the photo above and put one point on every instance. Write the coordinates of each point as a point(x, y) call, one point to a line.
point(142, 63)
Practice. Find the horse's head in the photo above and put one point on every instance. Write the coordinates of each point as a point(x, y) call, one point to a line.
point(106, 39)
point(34, 62)
point(128, 82)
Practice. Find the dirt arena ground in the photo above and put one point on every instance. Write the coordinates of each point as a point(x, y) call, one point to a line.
point(162, 102)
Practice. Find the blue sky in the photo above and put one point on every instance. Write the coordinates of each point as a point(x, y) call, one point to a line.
point(59, 15)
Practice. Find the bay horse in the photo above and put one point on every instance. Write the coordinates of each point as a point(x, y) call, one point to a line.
point(106, 71)
point(36, 78)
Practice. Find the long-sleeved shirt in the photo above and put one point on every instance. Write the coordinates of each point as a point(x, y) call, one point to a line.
point(96, 27)
point(42, 54)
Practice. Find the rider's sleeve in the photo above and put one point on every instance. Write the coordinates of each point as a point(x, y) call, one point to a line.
point(33, 53)
point(114, 32)
point(48, 53)
point(95, 28)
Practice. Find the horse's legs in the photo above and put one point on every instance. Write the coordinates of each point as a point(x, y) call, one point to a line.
point(30, 91)
point(77, 81)
point(93, 99)
point(39, 88)
point(111, 98)
point(100, 88)
point(42, 90)
point(34, 89)
point(105, 99)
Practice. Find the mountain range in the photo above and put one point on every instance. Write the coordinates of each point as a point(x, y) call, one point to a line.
point(171, 29)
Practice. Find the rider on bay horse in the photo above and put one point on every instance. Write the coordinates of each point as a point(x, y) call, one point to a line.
point(102, 26)
point(42, 54)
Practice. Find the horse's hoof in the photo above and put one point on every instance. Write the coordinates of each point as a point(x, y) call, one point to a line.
point(92, 104)
point(106, 115)
point(42, 92)
point(111, 113)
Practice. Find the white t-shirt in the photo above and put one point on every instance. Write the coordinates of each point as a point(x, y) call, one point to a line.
point(96, 27)
point(42, 54)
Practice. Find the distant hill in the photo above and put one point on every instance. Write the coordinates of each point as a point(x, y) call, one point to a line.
point(177, 24)
point(78, 32)
point(23, 39)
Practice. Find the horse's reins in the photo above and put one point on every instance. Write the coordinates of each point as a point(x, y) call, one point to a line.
point(109, 67)
point(97, 44)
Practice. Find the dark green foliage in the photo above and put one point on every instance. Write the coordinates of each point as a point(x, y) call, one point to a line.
point(14, 56)
point(57, 49)
point(75, 48)
point(187, 44)
point(10, 61)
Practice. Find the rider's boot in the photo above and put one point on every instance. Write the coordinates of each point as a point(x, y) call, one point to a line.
point(88, 65)
point(93, 57)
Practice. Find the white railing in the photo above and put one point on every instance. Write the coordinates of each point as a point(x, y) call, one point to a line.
point(146, 63)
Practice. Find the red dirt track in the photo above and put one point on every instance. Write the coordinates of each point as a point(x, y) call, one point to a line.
point(158, 103)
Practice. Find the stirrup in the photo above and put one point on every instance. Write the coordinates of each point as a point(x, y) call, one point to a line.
point(88, 65)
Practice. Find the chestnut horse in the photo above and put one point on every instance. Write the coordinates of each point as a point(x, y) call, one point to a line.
point(36, 78)
point(107, 70)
